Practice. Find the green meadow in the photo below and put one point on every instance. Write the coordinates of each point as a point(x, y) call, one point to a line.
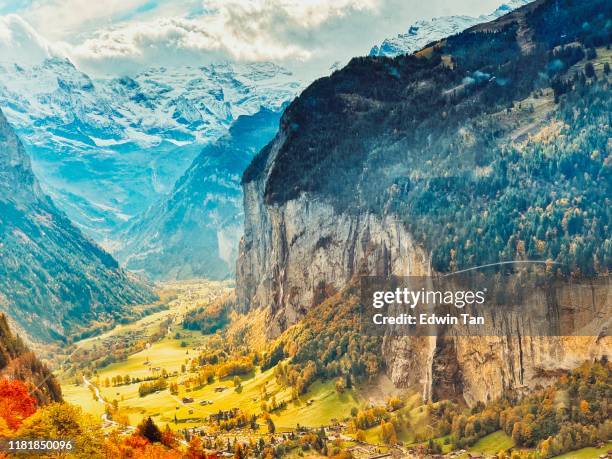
point(319, 406)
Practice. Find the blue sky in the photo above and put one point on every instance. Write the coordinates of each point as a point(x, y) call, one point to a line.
point(13, 6)
point(119, 36)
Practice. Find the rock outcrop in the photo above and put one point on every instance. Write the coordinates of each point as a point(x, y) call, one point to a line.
point(292, 254)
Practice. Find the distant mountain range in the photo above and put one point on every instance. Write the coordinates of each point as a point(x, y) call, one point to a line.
point(422, 33)
point(53, 279)
point(106, 149)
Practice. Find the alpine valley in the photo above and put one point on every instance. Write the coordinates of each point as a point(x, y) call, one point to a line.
point(54, 280)
point(247, 209)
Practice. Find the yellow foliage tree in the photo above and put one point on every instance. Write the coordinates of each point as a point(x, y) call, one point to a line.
point(389, 436)
point(64, 421)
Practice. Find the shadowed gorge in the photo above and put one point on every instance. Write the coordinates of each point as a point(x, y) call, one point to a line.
point(194, 231)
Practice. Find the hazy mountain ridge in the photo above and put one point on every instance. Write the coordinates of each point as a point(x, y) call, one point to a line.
point(53, 279)
point(195, 230)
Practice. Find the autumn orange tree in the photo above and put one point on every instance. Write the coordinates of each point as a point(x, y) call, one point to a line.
point(16, 403)
point(137, 447)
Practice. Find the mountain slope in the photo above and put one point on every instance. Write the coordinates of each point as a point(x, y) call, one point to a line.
point(194, 231)
point(107, 148)
point(18, 362)
point(422, 33)
point(488, 146)
point(52, 278)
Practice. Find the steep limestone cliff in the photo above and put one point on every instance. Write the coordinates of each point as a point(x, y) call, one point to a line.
point(293, 256)
point(359, 158)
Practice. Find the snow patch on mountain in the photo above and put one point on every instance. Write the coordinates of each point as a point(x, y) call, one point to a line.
point(123, 141)
point(422, 33)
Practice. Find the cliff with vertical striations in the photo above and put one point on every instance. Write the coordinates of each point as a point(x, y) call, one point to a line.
point(475, 150)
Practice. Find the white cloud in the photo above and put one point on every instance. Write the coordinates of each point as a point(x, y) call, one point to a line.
point(184, 35)
point(241, 30)
point(122, 36)
point(58, 19)
point(307, 13)
point(21, 44)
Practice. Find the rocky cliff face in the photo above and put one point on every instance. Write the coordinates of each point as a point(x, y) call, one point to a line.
point(293, 256)
point(506, 357)
point(320, 209)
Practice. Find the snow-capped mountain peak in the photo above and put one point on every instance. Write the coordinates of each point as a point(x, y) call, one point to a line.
point(105, 148)
point(424, 32)
point(194, 104)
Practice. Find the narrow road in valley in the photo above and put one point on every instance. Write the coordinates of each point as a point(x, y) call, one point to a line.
point(106, 420)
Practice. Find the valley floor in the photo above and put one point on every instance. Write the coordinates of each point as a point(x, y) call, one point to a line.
point(158, 347)
point(172, 354)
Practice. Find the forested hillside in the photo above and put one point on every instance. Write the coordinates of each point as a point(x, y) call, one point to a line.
point(53, 279)
point(18, 362)
point(491, 145)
